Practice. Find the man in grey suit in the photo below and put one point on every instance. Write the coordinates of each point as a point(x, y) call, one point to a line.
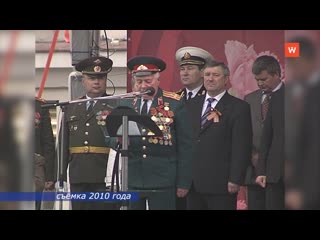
point(270, 165)
point(267, 72)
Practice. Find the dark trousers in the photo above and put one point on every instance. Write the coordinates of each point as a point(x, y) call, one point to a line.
point(275, 196)
point(204, 201)
point(92, 205)
point(164, 199)
point(181, 203)
point(256, 197)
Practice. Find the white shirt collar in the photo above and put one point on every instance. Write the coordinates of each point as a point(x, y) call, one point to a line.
point(277, 87)
point(218, 97)
point(194, 91)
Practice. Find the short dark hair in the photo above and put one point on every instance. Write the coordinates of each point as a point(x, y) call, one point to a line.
point(266, 63)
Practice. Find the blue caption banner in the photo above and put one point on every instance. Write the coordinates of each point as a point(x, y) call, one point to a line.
point(69, 196)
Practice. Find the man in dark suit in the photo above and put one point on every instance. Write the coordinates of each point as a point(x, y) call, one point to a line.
point(267, 72)
point(222, 139)
point(270, 167)
point(159, 167)
point(85, 150)
point(44, 150)
point(191, 61)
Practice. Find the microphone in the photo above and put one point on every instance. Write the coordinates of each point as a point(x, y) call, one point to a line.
point(149, 91)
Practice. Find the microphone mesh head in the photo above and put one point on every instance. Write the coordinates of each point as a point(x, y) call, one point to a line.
point(150, 91)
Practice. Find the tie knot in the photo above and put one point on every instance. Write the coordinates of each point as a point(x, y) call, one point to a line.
point(211, 100)
point(268, 95)
point(190, 95)
point(90, 105)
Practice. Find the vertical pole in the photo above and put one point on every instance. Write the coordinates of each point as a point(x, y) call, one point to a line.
point(96, 41)
point(124, 177)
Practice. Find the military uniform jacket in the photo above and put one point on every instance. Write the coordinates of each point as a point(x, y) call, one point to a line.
point(183, 93)
point(162, 162)
point(44, 140)
point(84, 142)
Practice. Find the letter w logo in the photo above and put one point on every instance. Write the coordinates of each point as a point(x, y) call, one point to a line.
point(291, 50)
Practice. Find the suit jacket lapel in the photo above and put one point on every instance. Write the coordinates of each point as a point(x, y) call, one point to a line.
point(257, 106)
point(155, 102)
point(198, 111)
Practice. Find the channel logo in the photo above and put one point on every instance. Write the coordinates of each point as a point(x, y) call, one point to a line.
point(291, 50)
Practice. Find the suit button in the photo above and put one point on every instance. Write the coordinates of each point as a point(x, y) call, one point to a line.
point(144, 155)
point(144, 147)
point(85, 142)
point(87, 124)
point(143, 130)
point(86, 133)
point(143, 138)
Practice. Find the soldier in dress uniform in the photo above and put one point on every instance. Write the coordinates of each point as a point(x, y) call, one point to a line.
point(44, 172)
point(191, 61)
point(159, 167)
point(85, 150)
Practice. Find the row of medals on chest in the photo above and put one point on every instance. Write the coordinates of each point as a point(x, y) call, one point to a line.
point(163, 124)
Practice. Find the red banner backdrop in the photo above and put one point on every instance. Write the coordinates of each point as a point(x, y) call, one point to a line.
point(237, 48)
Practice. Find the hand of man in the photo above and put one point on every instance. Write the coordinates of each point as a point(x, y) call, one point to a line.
point(49, 185)
point(294, 199)
point(182, 192)
point(233, 187)
point(254, 159)
point(261, 180)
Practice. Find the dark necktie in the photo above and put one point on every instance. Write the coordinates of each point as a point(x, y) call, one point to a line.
point(90, 107)
point(144, 109)
point(189, 95)
point(206, 113)
point(265, 106)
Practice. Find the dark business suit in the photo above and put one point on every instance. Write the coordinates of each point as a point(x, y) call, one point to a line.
point(255, 193)
point(271, 161)
point(222, 152)
point(85, 150)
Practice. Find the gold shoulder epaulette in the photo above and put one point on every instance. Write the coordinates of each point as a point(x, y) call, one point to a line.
point(179, 91)
point(171, 95)
point(40, 99)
